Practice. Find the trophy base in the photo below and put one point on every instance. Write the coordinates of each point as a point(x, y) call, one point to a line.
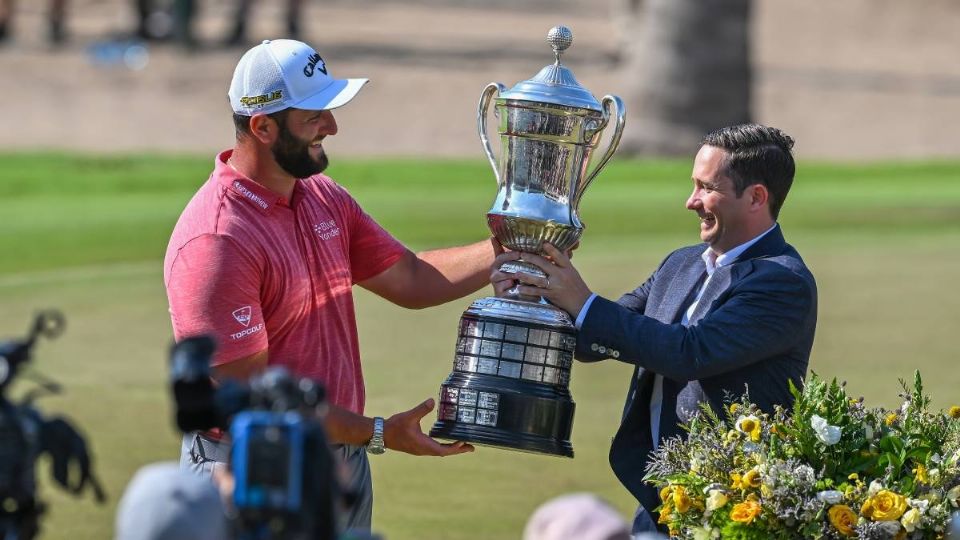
point(510, 414)
point(498, 438)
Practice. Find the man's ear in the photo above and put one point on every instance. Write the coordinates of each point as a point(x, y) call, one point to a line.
point(263, 128)
point(759, 196)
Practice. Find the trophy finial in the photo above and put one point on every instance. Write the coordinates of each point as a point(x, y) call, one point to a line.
point(559, 37)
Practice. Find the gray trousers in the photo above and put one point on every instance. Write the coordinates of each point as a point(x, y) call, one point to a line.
point(201, 455)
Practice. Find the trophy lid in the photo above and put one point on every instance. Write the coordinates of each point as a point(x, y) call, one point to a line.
point(555, 83)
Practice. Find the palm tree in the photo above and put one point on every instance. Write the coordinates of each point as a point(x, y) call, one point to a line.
point(686, 71)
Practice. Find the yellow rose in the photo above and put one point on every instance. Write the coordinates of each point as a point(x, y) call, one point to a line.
point(910, 519)
point(680, 499)
point(665, 514)
point(745, 512)
point(666, 493)
point(752, 478)
point(716, 499)
point(886, 505)
point(842, 518)
point(954, 412)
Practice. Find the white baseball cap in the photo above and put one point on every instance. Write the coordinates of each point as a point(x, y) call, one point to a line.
point(283, 73)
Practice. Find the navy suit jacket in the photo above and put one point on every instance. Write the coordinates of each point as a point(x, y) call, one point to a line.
point(752, 329)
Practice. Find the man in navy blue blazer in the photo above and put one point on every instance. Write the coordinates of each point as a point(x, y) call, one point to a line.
point(734, 314)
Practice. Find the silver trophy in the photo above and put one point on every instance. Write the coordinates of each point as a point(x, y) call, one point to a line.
point(511, 373)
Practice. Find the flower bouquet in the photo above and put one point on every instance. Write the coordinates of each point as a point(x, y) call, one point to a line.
point(830, 468)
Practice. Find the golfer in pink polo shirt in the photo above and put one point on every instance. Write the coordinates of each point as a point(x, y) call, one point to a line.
point(266, 254)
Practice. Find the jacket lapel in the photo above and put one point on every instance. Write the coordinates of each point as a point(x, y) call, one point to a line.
point(771, 244)
point(681, 290)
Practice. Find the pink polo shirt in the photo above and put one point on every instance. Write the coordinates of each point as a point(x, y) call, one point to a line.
point(257, 272)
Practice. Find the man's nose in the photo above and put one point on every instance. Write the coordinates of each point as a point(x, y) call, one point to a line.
point(693, 202)
point(330, 126)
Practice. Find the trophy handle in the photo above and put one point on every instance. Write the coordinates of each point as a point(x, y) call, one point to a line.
point(485, 98)
point(606, 102)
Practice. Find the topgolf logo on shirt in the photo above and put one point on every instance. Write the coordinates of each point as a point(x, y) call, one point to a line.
point(242, 315)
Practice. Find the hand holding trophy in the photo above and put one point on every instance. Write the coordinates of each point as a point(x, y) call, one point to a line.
point(511, 372)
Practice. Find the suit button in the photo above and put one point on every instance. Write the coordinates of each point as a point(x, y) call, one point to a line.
point(602, 350)
point(615, 354)
point(594, 347)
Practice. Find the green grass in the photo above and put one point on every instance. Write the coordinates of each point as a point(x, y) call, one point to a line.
point(87, 235)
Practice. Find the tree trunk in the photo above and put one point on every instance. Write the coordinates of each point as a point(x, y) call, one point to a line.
point(687, 74)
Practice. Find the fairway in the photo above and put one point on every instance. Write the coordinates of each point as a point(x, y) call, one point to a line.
point(87, 235)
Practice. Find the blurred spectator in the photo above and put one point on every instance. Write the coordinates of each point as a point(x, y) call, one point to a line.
point(160, 20)
point(164, 503)
point(56, 19)
point(577, 516)
point(238, 34)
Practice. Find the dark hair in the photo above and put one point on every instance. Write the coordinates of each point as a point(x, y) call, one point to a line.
point(241, 122)
point(757, 155)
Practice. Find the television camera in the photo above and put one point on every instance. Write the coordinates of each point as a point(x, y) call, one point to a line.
point(25, 435)
point(284, 483)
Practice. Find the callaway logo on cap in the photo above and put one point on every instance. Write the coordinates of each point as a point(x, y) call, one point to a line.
point(281, 74)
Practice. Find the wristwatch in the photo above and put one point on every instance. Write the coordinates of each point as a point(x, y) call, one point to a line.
point(375, 446)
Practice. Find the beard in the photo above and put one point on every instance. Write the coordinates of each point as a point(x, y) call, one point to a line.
point(293, 155)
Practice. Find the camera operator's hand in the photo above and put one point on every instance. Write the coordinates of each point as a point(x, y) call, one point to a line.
point(402, 432)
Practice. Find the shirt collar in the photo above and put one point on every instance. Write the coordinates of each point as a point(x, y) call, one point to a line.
point(713, 261)
point(248, 190)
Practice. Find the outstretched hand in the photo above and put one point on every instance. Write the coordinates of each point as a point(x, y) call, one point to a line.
point(402, 432)
point(562, 286)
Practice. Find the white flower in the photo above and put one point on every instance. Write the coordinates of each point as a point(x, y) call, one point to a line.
point(910, 519)
point(695, 464)
point(919, 504)
point(953, 495)
point(705, 533)
point(868, 432)
point(827, 434)
point(875, 487)
point(935, 458)
point(830, 496)
point(716, 499)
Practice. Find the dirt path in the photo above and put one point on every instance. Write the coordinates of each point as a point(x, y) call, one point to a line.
point(855, 79)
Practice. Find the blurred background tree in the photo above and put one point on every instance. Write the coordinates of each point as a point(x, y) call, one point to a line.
point(686, 70)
